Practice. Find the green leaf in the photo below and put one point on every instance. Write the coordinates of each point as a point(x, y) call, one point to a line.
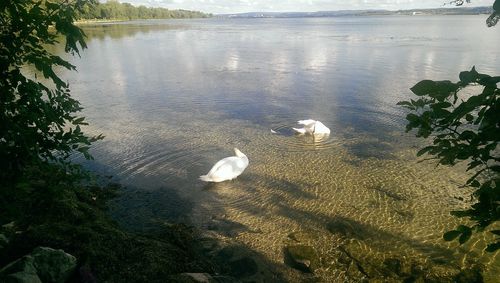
point(460, 213)
point(475, 184)
point(423, 87)
point(493, 247)
point(441, 105)
point(404, 103)
point(412, 117)
point(496, 232)
point(468, 77)
point(495, 168)
point(465, 236)
point(451, 235)
point(469, 117)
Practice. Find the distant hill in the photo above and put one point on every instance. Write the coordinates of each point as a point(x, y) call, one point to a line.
point(440, 11)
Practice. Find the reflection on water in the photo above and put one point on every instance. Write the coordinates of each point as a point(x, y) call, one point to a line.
point(173, 97)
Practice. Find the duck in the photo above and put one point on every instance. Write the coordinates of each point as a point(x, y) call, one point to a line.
point(312, 127)
point(227, 168)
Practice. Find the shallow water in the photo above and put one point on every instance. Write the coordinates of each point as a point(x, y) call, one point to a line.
point(173, 97)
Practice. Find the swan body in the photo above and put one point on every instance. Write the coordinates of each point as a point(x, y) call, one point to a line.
point(227, 168)
point(312, 127)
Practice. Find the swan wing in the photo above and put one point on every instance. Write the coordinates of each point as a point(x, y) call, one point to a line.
point(308, 122)
point(320, 128)
point(308, 126)
point(225, 169)
point(300, 131)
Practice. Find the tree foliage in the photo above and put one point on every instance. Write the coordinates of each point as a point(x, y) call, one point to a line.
point(38, 117)
point(113, 10)
point(463, 128)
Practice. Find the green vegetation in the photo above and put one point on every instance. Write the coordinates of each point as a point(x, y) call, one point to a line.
point(38, 118)
point(463, 129)
point(46, 200)
point(48, 208)
point(492, 19)
point(113, 10)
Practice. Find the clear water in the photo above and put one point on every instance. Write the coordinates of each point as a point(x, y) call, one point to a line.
point(173, 97)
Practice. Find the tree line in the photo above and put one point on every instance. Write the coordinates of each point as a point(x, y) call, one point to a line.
point(114, 10)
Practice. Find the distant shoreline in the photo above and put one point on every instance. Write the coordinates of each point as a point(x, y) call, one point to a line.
point(321, 14)
point(343, 13)
point(99, 21)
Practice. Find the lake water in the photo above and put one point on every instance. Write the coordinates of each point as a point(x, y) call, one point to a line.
point(173, 97)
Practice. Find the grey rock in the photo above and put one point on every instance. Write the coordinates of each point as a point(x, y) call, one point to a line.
point(3, 240)
point(21, 277)
point(53, 265)
point(21, 270)
point(42, 265)
point(199, 278)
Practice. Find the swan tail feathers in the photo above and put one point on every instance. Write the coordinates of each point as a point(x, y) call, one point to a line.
point(205, 178)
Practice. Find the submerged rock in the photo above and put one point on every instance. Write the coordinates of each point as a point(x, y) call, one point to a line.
point(192, 278)
point(42, 265)
point(243, 267)
point(301, 257)
point(300, 236)
point(472, 275)
point(393, 265)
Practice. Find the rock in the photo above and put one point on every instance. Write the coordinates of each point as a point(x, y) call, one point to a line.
point(21, 270)
point(239, 261)
point(243, 267)
point(299, 236)
point(207, 245)
point(42, 265)
point(356, 273)
point(21, 277)
point(199, 278)
point(347, 228)
point(393, 265)
point(301, 257)
point(226, 253)
point(3, 240)
point(472, 275)
point(53, 265)
point(86, 275)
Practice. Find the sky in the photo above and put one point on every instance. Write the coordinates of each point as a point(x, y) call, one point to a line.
point(242, 6)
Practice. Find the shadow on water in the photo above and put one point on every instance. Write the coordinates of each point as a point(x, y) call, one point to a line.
point(374, 149)
point(138, 209)
point(369, 234)
point(283, 194)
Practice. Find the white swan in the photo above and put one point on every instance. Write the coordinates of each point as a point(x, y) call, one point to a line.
point(227, 168)
point(312, 127)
